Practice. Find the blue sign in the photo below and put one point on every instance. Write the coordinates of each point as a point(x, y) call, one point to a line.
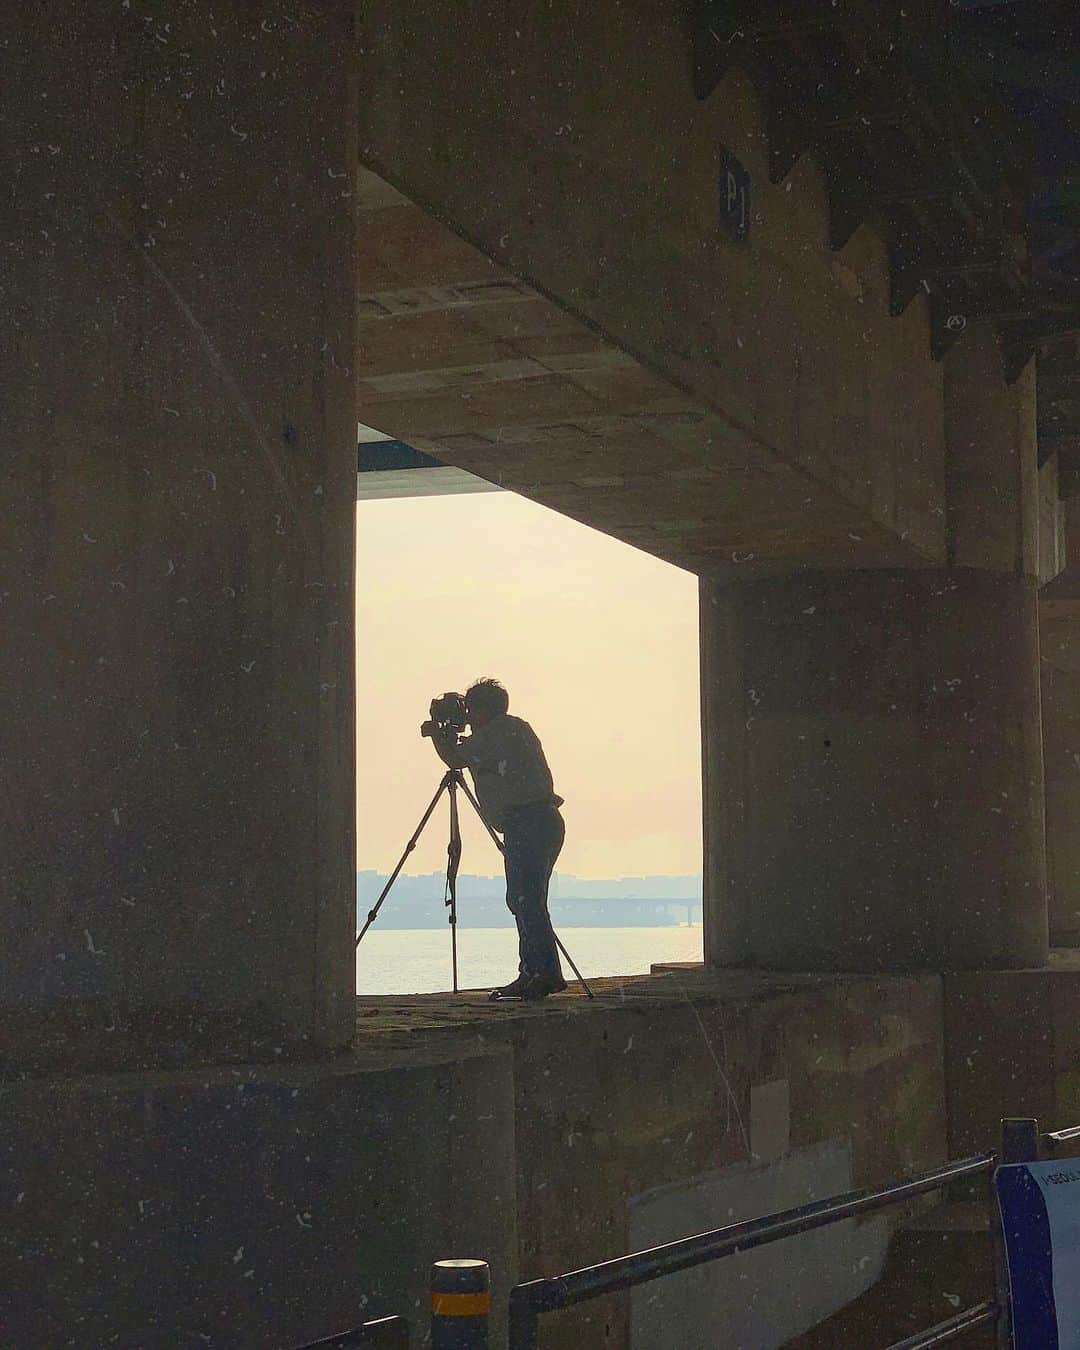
point(1040, 1221)
point(734, 198)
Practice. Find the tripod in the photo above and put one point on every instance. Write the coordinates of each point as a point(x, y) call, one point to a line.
point(451, 781)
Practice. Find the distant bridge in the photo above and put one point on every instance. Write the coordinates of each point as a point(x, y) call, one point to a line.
point(617, 912)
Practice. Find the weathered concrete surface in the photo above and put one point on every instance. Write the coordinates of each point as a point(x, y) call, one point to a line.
point(1012, 1048)
point(872, 740)
point(176, 546)
point(1059, 641)
point(993, 492)
point(264, 1206)
point(873, 780)
point(1059, 636)
point(671, 1086)
point(939, 1261)
point(1053, 523)
point(741, 1301)
point(826, 417)
point(251, 1208)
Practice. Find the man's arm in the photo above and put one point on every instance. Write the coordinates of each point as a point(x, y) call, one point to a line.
point(446, 745)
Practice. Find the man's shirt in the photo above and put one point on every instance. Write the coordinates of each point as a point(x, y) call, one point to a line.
point(508, 767)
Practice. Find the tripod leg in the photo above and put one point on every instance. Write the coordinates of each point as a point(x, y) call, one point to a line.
point(453, 862)
point(373, 914)
point(453, 949)
point(499, 845)
point(573, 967)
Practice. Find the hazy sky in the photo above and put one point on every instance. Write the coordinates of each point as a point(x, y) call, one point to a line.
point(596, 643)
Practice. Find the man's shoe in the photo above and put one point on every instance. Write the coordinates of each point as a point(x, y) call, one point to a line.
point(539, 986)
point(515, 989)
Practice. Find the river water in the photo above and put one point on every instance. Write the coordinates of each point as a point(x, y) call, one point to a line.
point(417, 960)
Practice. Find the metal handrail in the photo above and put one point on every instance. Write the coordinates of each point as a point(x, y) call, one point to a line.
point(982, 1314)
point(1058, 1137)
point(383, 1331)
point(533, 1297)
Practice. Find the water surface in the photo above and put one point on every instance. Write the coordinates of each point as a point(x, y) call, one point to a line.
point(417, 960)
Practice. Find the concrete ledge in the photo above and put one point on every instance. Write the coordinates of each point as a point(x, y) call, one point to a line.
point(672, 984)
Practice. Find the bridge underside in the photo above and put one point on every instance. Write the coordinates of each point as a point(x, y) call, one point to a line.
point(462, 359)
point(853, 416)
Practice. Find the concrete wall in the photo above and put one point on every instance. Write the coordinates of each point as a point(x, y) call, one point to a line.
point(751, 1299)
point(260, 1207)
point(1052, 521)
point(597, 180)
point(1059, 632)
point(1059, 636)
point(251, 1209)
point(633, 1125)
point(179, 480)
point(1012, 1048)
point(994, 490)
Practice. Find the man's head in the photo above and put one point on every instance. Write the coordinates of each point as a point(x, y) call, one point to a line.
point(485, 700)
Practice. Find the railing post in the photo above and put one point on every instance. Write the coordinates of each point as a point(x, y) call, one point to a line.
point(460, 1305)
point(523, 1320)
point(1019, 1140)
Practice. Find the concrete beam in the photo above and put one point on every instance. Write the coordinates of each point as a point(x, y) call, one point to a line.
point(603, 346)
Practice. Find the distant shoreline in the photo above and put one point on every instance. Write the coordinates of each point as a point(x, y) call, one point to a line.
point(388, 923)
point(416, 902)
point(564, 914)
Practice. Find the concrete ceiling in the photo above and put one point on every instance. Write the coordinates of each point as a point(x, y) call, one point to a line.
point(460, 359)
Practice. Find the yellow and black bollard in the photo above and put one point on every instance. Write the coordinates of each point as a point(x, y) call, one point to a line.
point(460, 1305)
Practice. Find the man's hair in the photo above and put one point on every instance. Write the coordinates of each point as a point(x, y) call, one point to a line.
point(488, 696)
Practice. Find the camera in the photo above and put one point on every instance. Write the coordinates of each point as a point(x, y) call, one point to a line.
point(449, 713)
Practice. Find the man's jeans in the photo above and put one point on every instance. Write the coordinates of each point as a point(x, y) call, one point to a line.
point(532, 838)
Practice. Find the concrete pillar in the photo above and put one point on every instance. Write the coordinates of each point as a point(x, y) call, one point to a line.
point(873, 768)
point(176, 860)
point(1059, 636)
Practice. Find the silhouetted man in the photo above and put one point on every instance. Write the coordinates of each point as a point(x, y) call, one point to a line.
point(514, 788)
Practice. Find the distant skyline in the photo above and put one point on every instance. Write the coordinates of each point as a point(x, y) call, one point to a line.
point(419, 901)
point(564, 884)
point(597, 644)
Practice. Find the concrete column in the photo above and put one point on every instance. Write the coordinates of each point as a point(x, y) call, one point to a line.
point(176, 809)
point(873, 767)
point(1059, 636)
